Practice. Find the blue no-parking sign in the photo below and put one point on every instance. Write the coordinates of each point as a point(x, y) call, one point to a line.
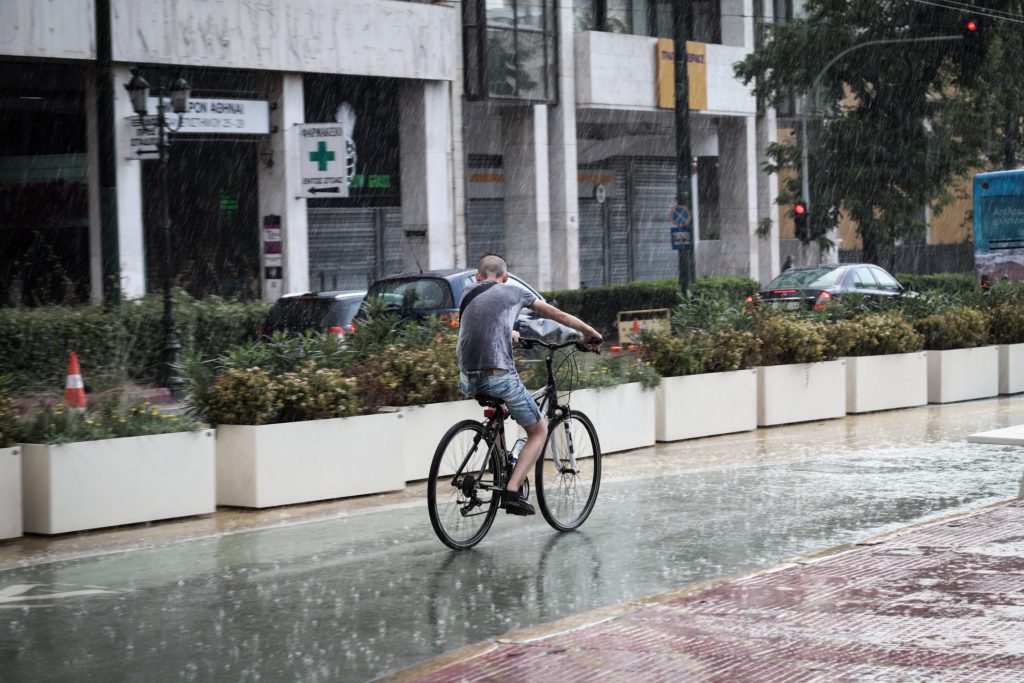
point(680, 216)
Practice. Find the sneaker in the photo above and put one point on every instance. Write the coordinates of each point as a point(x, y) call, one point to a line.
point(515, 504)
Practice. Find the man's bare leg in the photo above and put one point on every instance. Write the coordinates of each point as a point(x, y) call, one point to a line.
point(535, 437)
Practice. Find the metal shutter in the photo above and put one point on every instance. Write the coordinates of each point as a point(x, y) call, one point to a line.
point(393, 262)
point(343, 246)
point(485, 228)
point(653, 196)
point(592, 244)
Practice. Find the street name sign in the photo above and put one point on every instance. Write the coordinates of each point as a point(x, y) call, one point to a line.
point(324, 161)
point(216, 116)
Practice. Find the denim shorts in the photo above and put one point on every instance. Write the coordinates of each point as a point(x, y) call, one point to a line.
point(507, 387)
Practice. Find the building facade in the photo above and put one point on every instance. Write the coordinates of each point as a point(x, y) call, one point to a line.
point(532, 128)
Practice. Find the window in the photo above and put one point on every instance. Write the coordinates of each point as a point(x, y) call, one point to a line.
point(648, 18)
point(863, 279)
point(510, 50)
point(886, 281)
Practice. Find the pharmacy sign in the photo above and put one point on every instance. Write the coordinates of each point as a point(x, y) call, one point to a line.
point(323, 159)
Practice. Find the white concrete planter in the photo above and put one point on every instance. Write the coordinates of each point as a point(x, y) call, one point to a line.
point(300, 462)
point(421, 429)
point(10, 492)
point(704, 405)
point(899, 380)
point(799, 393)
point(1011, 368)
point(623, 415)
point(95, 484)
point(963, 374)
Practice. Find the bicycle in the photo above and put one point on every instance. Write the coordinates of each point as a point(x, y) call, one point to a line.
point(472, 463)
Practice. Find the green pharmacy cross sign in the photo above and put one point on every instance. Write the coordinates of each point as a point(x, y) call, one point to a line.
point(321, 156)
point(323, 153)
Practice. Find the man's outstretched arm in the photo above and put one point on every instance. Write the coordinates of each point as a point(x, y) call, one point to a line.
point(559, 316)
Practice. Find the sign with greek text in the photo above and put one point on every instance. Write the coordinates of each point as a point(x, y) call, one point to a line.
point(324, 161)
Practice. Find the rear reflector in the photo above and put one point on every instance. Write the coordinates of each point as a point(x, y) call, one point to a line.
point(784, 291)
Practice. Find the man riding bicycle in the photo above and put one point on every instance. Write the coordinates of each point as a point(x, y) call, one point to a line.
point(488, 313)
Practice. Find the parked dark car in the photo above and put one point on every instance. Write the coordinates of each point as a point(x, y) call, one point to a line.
point(330, 312)
point(814, 287)
point(417, 296)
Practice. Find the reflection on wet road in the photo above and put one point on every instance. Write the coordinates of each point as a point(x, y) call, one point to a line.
point(357, 597)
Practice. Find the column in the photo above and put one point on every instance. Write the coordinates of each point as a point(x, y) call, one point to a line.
point(738, 170)
point(425, 149)
point(130, 230)
point(527, 192)
point(92, 174)
point(565, 228)
point(459, 180)
point(278, 184)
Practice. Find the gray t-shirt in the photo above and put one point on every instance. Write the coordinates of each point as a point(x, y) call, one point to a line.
point(485, 329)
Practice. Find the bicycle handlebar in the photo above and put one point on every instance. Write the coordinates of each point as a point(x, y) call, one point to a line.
point(528, 343)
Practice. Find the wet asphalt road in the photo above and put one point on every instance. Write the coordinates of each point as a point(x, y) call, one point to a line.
point(354, 598)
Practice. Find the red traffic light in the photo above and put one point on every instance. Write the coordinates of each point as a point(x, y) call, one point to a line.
point(800, 209)
point(971, 25)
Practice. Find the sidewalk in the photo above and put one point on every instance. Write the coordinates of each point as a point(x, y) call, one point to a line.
point(939, 602)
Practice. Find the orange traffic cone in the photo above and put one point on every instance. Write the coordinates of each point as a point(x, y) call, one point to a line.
point(74, 390)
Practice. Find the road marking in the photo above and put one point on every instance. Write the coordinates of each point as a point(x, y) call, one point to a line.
point(15, 595)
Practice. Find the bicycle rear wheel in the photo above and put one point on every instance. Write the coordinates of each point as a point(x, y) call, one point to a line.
point(568, 473)
point(461, 506)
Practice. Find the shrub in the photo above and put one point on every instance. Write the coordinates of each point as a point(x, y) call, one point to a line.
point(109, 420)
point(695, 352)
point(728, 288)
point(600, 306)
point(8, 422)
point(574, 370)
point(871, 335)
point(1007, 323)
point(411, 374)
point(948, 283)
point(315, 394)
point(959, 327)
point(36, 342)
point(242, 397)
point(786, 340)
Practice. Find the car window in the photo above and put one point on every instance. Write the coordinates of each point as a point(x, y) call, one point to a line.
point(414, 293)
point(863, 279)
point(342, 311)
point(886, 281)
point(298, 314)
point(806, 277)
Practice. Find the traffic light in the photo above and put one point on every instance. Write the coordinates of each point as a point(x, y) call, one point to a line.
point(800, 220)
point(974, 48)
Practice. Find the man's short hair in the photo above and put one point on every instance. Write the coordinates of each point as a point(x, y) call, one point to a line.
point(491, 265)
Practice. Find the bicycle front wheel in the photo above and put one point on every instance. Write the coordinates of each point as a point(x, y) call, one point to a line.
point(568, 473)
point(460, 496)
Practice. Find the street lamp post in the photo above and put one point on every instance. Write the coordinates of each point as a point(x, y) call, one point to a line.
point(177, 92)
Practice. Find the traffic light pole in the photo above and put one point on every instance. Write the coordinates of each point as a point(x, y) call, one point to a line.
point(811, 103)
point(682, 20)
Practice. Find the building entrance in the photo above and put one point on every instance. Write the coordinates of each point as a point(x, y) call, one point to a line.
point(213, 210)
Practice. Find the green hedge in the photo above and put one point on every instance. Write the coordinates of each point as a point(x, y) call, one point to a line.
point(599, 306)
point(35, 342)
point(947, 283)
point(725, 288)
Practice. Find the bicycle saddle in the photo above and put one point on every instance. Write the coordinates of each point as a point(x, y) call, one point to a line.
point(489, 401)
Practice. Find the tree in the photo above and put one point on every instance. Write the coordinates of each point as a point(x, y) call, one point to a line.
point(894, 124)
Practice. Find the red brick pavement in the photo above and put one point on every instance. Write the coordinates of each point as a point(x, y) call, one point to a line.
point(943, 602)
